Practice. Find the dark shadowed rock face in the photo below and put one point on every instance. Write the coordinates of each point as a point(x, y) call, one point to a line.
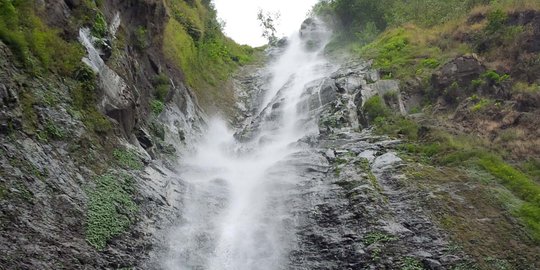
point(313, 33)
point(462, 70)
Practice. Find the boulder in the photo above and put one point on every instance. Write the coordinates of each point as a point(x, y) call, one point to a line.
point(462, 70)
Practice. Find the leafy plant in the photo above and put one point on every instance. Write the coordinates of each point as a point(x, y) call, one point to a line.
point(111, 208)
point(157, 106)
point(128, 159)
point(378, 237)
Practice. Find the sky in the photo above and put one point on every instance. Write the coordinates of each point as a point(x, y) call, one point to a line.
point(241, 23)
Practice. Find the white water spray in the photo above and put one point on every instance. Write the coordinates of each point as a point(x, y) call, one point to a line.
point(235, 216)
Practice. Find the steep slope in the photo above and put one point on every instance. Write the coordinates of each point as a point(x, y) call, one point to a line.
point(97, 98)
point(465, 83)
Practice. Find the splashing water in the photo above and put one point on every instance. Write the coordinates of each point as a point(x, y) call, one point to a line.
point(235, 212)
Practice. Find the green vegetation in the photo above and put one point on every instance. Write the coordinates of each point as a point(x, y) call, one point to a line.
point(494, 77)
point(128, 159)
point(443, 149)
point(193, 39)
point(50, 131)
point(99, 27)
point(157, 106)
point(142, 40)
point(29, 116)
point(162, 86)
point(409, 263)
point(36, 46)
point(84, 101)
point(375, 108)
point(111, 208)
point(378, 237)
point(386, 121)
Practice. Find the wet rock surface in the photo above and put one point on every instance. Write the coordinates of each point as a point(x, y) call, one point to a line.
point(354, 208)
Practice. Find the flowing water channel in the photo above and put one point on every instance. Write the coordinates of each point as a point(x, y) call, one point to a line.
point(238, 210)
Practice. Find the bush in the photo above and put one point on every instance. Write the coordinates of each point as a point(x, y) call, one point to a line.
point(494, 77)
point(376, 108)
point(496, 21)
point(141, 38)
point(99, 27)
point(162, 86)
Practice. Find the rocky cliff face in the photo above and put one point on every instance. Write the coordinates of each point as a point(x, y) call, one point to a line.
point(84, 156)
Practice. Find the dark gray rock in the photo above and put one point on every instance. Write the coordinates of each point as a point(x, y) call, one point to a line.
point(462, 70)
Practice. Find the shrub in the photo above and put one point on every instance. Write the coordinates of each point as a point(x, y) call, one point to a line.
point(496, 21)
point(375, 107)
point(494, 77)
point(99, 27)
point(162, 86)
point(141, 38)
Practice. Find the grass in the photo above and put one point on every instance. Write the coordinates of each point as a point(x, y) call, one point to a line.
point(444, 149)
point(38, 47)
point(111, 209)
point(409, 51)
point(194, 42)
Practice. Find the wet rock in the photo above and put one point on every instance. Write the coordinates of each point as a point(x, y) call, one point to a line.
point(385, 162)
point(368, 154)
point(383, 87)
point(313, 33)
point(144, 138)
point(330, 154)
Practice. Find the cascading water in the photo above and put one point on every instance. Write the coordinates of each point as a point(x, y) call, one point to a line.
point(236, 214)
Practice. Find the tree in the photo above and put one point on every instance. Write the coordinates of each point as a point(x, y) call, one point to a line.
point(268, 21)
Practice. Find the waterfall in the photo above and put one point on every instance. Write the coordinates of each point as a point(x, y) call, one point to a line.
point(236, 214)
point(116, 92)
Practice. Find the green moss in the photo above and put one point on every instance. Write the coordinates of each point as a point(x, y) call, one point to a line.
point(397, 126)
point(110, 210)
point(128, 159)
point(4, 193)
point(444, 149)
point(430, 63)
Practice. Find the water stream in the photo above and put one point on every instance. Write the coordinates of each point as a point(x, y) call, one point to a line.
point(236, 213)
